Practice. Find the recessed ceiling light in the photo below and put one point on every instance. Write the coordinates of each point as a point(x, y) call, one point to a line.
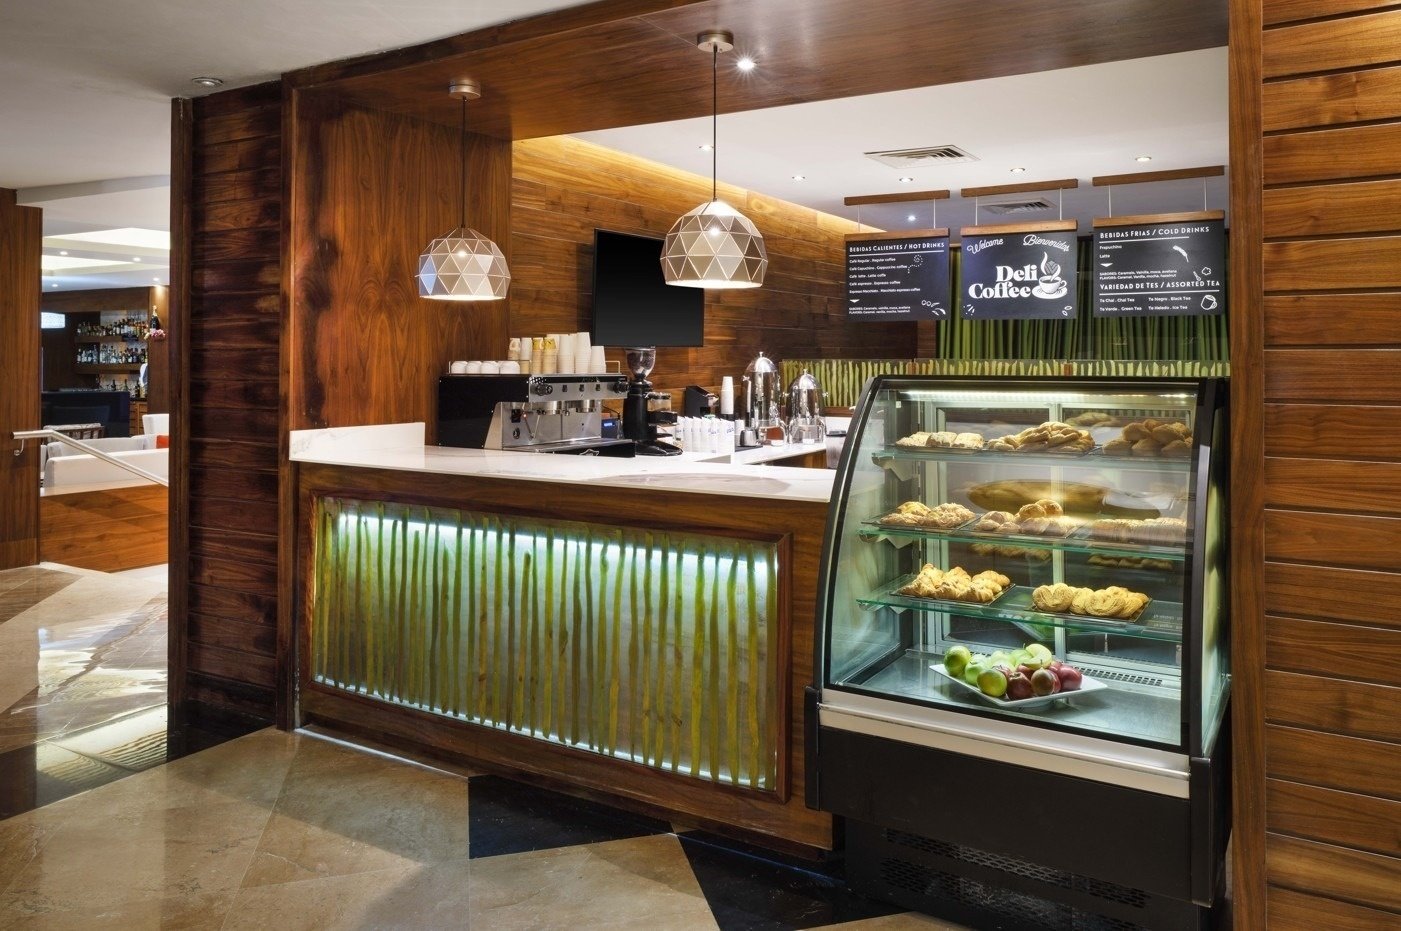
point(136, 258)
point(706, 147)
point(53, 285)
point(63, 252)
point(911, 218)
point(1017, 171)
point(156, 280)
point(800, 177)
point(130, 236)
point(206, 81)
point(745, 64)
point(1144, 158)
point(906, 180)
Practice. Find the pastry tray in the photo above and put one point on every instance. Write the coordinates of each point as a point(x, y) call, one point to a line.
point(1095, 618)
point(878, 524)
point(1038, 701)
point(953, 601)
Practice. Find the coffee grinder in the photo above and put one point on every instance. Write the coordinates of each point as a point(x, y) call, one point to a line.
point(640, 424)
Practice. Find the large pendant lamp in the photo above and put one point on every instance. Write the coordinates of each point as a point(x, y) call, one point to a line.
point(463, 265)
point(714, 246)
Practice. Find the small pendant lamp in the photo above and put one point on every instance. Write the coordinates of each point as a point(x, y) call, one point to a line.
point(714, 246)
point(463, 265)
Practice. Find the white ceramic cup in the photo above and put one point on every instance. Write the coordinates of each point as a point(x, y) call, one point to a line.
point(491, 368)
point(471, 368)
point(457, 368)
point(510, 368)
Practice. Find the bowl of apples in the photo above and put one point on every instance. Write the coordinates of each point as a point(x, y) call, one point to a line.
point(1030, 677)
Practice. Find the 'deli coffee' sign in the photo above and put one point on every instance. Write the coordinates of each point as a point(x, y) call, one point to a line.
point(1018, 276)
point(898, 279)
point(1160, 269)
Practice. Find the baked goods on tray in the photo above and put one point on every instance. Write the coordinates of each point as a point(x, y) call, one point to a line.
point(1155, 530)
point(1150, 437)
point(957, 585)
point(1091, 419)
point(1130, 562)
point(1044, 517)
point(1011, 552)
point(1112, 602)
point(942, 439)
point(1050, 437)
point(945, 516)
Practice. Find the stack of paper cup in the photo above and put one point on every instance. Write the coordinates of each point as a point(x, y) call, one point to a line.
point(524, 355)
point(581, 352)
point(727, 396)
point(597, 364)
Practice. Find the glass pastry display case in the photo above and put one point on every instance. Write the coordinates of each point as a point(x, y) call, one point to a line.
point(1022, 622)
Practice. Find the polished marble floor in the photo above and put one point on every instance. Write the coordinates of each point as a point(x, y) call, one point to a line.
point(111, 817)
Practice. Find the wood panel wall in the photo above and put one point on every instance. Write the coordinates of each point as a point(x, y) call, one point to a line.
point(107, 530)
point(21, 235)
point(225, 339)
point(564, 188)
point(370, 191)
point(1319, 647)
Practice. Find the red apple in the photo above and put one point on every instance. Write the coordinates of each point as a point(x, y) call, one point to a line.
point(1044, 682)
point(1018, 687)
point(1027, 671)
point(1070, 678)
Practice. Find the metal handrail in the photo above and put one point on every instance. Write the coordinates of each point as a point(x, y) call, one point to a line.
point(23, 435)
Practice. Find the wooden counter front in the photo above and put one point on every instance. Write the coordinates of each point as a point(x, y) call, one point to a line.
point(461, 678)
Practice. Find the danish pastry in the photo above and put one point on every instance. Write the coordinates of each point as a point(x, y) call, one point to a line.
point(956, 585)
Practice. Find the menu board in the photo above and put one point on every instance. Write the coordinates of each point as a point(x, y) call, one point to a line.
point(898, 279)
point(1161, 269)
point(1018, 276)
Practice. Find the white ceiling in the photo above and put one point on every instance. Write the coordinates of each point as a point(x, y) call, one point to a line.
point(85, 88)
point(1073, 123)
point(85, 94)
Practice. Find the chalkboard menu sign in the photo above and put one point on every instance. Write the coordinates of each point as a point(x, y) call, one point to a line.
point(904, 278)
point(1018, 275)
point(1170, 269)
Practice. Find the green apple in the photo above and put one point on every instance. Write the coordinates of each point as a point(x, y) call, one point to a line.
point(972, 671)
point(957, 659)
point(1017, 658)
point(1040, 649)
point(993, 682)
point(1001, 656)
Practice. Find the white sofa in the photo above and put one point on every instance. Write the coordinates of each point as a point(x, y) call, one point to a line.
point(152, 424)
point(65, 465)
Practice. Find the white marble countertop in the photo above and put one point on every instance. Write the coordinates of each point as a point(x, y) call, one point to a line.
point(401, 447)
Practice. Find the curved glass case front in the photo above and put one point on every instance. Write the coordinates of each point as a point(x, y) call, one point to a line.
point(1050, 551)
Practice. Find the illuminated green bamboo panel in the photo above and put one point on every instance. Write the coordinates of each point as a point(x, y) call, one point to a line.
point(657, 647)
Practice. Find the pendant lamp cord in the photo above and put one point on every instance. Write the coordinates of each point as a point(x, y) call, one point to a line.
point(714, 117)
point(463, 153)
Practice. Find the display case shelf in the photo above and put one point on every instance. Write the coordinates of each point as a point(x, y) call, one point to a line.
point(1095, 459)
point(104, 368)
point(1077, 542)
point(1160, 620)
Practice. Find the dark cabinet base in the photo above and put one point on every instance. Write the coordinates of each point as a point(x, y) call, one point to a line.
point(994, 891)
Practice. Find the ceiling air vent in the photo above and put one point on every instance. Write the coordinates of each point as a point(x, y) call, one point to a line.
point(922, 157)
point(1019, 206)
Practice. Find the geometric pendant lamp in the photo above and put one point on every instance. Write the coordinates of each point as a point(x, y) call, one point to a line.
point(714, 245)
point(463, 265)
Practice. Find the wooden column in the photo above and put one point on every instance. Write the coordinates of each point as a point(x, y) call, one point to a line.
point(21, 236)
point(1316, 372)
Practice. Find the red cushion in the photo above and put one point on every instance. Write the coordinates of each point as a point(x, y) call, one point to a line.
point(162, 441)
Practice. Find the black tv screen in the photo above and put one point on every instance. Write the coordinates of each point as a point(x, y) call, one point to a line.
point(632, 304)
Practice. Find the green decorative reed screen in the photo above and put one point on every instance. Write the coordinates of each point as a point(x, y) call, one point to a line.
point(651, 646)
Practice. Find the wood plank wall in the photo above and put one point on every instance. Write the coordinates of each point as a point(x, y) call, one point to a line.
point(21, 233)
point(564, 188)
point(1328, 718)
point(226, 307)
point(370, 191)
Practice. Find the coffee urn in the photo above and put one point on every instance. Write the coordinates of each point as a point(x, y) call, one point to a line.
point(805, 406)
point(763, 398)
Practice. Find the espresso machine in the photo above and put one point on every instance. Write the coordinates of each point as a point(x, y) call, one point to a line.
point(530, 413)
point(639, 421)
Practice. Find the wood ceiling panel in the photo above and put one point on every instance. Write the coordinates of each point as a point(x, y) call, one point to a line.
point(645, 68)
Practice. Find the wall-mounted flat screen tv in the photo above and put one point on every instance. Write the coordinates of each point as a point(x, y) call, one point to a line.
point(632, 304)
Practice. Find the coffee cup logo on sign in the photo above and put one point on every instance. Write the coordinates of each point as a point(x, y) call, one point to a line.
point(1051, 285)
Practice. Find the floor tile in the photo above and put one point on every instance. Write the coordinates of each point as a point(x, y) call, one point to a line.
point(905, 921)
point(342, 811)
point(748, 892)
point(413, 897)
point(641, 882)
point(197, 912)
point(42, 774)
point(512, 817)
point(140, 855)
